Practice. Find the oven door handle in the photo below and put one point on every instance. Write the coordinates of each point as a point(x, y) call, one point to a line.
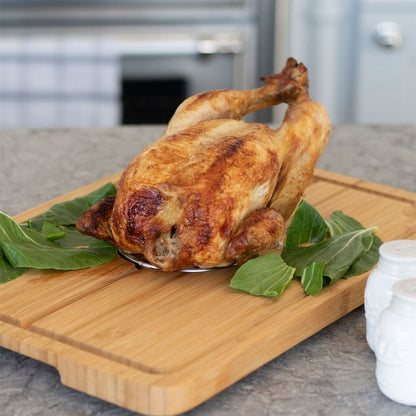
point(207, 45)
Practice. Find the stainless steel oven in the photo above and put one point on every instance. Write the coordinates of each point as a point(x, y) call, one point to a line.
point(101, 63)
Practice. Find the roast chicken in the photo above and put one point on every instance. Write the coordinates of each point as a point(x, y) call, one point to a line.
point(215, 190)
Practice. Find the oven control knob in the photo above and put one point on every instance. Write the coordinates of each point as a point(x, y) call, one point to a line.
point(388, 34)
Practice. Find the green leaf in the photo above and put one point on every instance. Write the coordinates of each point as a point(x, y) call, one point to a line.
point(367, 261)
point(64, 213)
point(100, 193)
point(50, 240)
point(306, 226)
point(338, 253)
point(339, 223)
point(68, 212)
point(312, 278)
point(267, 275)
point(350, 250)
point(25, 247)
point(356, 247)
point(7, 271)
point(52, 232)
point(73, 238)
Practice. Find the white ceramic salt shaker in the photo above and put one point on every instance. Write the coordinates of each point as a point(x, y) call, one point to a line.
point(397, 261)
point(396, 345)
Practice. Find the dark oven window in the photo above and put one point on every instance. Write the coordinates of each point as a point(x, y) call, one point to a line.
point(151, 101)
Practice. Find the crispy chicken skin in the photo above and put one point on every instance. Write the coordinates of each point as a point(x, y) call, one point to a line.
point(215, 190)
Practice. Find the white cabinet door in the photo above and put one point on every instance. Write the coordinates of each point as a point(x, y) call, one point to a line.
point(385, 91)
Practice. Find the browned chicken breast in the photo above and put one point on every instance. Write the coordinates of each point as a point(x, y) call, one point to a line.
point(215, 190)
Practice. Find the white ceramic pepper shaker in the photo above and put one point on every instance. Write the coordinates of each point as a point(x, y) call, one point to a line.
point(397, 262)
point(396, 345)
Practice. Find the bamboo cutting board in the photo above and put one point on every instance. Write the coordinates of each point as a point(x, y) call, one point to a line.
point(162, 343)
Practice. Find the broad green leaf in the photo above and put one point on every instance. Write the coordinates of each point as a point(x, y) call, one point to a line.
point(339, 223)
point(267, 275)
point(68, 212)
point(51, 240)
point(356, 247)
point(312, 278)
point(350, 250)
point(73, 238)
point(100, 193)
point(338, 253)
point(306, 226)
point(367, 261)
point(25, 247)
point(64, 213)
point(7, 271)
point(52, 232)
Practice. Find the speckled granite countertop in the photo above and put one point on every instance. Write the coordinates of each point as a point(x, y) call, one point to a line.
point(331, 373)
